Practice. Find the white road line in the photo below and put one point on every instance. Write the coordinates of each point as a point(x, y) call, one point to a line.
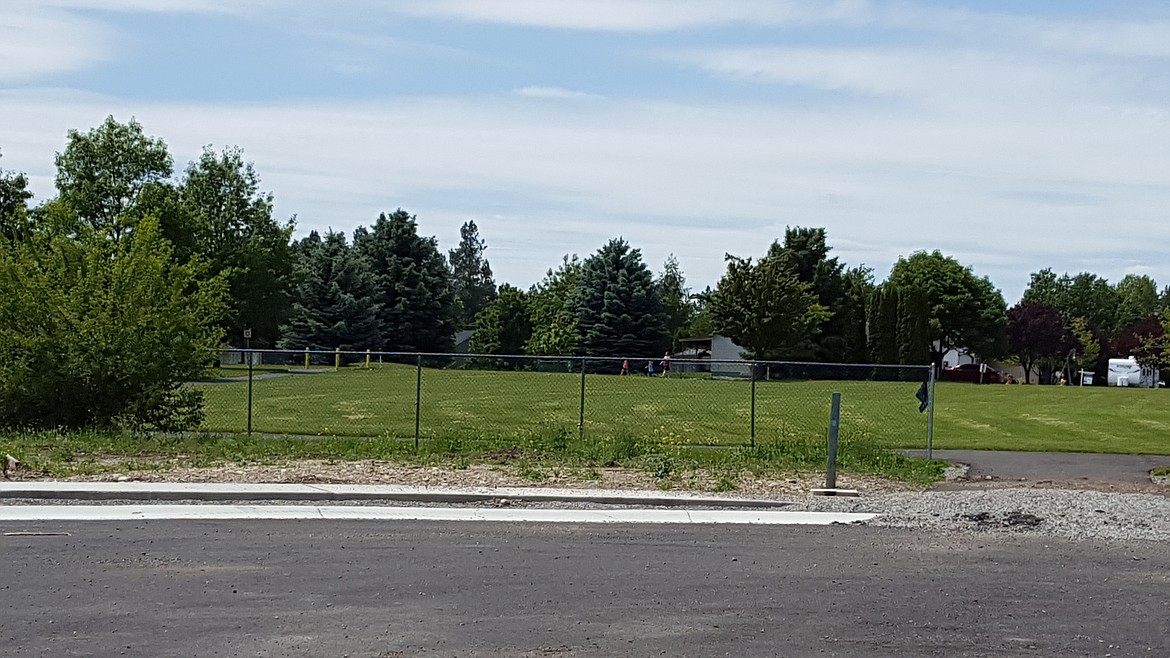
point(330, 512)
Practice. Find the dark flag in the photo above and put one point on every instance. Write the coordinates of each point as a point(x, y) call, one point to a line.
point(923, 396)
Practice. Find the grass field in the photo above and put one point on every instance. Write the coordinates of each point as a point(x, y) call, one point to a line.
point(473, 403)
point(691, 411)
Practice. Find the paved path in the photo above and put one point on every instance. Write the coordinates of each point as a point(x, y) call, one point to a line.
point(1063, 467)
point(394, 589)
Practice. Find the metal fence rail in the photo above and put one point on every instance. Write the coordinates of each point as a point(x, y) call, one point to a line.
point(680, 401)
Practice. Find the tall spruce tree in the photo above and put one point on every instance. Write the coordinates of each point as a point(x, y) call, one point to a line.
point(471, 275)
point(333, 304)
point(412, 284)
point(616, 305)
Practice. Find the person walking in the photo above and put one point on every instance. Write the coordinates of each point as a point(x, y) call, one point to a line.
point(649, 368)
point(665, 363)
point(625, 367)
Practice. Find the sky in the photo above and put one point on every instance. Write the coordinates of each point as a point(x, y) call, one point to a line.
point(1012, 136)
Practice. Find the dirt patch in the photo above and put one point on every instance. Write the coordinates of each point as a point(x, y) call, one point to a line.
point(771, 486)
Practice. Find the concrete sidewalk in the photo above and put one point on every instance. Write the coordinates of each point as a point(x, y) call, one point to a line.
point(61, 490)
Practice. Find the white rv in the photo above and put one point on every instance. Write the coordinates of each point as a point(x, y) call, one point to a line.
point(1128, 372)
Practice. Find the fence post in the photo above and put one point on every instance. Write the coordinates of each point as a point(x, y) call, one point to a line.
point(930, 414)
point(753, 411)
point(337, 358)
point(417, 398)
point(306, 358)
point(248, 353)
point(834, 431)
point(581, 418)
point(367, 359)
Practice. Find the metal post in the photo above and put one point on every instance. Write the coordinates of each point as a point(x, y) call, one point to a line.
point(337, 358)
point(753, 412)
point(417, 399)
point(834, 431)
point(367, 359)
point(581, 417)
point(306, 358)
point(930, 414)
point(248, 353)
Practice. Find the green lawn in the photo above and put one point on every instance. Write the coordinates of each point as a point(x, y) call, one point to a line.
point(1053, 418)
point(380, 402)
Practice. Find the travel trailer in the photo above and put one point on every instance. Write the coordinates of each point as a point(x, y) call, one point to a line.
point(1128, 372)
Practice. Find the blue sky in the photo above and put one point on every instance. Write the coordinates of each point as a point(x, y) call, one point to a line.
point(1011, 135)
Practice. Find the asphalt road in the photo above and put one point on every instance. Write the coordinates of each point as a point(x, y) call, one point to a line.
point(1053, 466)
point(376, 589)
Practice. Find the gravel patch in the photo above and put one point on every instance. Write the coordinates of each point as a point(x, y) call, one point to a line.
point(1076, 515)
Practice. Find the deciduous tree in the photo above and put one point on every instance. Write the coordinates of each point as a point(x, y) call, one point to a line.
point(1037, 337)
point(554, 327)
point(237, 234)
point(102, 173)
point(503, 326)
point(764, 308)
point(99, 333)
point(966, 312)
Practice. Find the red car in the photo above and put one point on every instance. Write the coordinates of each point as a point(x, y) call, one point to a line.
point(970, 372)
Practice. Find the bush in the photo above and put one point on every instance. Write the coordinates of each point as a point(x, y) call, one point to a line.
point(97, 332)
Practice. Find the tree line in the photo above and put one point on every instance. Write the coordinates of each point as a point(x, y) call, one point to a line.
point(122, 286)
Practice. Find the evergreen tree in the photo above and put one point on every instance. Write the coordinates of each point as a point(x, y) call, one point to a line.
point(616, 305)
point(333, 303)
point(471, 280)
point(412, 283)
point(883, 325)
point(913, 327)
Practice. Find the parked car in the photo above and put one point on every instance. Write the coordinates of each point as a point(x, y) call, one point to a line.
point(970, 372)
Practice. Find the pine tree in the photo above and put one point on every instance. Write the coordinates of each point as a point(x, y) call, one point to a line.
point(412, 284)
point(617, 306)
point(333, 305)
point(471, 280)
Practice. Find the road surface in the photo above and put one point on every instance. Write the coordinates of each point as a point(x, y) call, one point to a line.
point(423, 588)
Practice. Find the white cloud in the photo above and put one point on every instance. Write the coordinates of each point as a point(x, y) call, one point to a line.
point(38, 43)
point(637, 15)
point(554, 93)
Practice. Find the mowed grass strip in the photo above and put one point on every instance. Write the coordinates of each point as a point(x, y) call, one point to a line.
point(380, 402)
point(1052, 418)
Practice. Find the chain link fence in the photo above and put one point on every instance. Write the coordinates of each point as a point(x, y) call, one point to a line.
point(697, 402)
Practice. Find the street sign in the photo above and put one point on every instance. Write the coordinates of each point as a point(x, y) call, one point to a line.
point(247, 333)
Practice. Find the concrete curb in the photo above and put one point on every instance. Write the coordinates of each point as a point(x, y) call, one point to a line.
point(337, 492)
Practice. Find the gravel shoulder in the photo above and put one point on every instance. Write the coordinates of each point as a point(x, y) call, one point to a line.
point(1074, 510)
